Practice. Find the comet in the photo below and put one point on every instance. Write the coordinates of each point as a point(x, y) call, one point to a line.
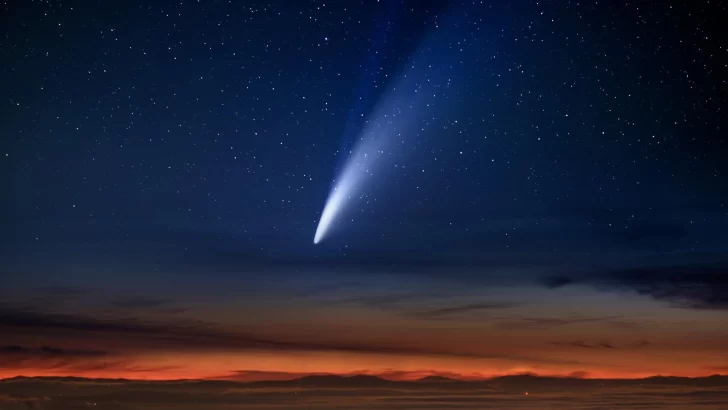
point(358, 167)
point(383, 134)
point(414, 102)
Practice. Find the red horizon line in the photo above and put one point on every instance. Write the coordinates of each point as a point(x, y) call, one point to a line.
point(350, 375)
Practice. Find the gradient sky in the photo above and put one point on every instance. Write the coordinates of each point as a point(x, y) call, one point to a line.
point(556, 201)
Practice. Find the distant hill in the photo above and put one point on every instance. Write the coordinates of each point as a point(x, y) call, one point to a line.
point(523, 382)
point(330, 381)
point(63, 379)
point(437, 379)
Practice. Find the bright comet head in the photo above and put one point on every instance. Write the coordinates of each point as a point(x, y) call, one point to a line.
point(339, 195)
point(327, 216)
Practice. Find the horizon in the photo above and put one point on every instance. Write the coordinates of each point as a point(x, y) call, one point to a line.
point(379, 377)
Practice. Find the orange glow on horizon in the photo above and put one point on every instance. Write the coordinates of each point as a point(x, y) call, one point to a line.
point(193, 373)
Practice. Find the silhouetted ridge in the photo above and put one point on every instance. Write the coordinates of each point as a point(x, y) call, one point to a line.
point(340, 381)
point(523, 382)
point(437, 379)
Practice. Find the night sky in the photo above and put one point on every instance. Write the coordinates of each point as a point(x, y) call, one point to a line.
point(544, 188)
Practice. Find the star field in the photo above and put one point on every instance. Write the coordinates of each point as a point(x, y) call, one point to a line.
point(183, 151)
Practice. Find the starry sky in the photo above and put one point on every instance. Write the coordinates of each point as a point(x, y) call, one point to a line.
point(550, 192)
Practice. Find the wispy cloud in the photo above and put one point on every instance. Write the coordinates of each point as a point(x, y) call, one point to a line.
point(192, 335)
point(601, 345)
point(67, 361)
point(551, 322)
point(58, 290)
point(461, 309)
point(703, 287)
point(140, 302)
point(719, 369)
point(46, 351)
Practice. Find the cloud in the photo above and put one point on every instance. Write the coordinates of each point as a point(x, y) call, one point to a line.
point(718, 369)
point(140, 302)
point(417, 304)
point(555, 282)
point(457, 310)
point(194, 335)
point(550, 322)
point(45, 351)
point(66, 361)
point(69, 366)
point(600, 345)
point(392, 301)
point(67, 291)
point(579, 375)
point(606, 345)
point(702, 287)
point(577, 343)
point(432, 304)
point(325, 289)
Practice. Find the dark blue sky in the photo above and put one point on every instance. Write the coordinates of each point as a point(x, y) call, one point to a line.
point(195, 143)
point(575, 128)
